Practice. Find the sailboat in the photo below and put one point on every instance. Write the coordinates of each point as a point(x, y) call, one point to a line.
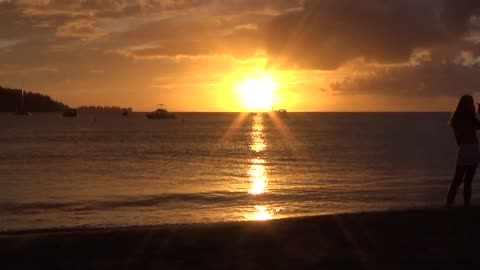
point(21, 110)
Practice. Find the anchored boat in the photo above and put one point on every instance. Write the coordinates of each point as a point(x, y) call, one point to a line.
point(160, 113)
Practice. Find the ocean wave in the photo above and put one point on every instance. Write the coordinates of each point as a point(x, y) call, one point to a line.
point(216, 199)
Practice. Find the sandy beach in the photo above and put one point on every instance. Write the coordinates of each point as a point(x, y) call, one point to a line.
point(415, 239)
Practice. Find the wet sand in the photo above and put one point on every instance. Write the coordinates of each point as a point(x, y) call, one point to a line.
point(416, 239)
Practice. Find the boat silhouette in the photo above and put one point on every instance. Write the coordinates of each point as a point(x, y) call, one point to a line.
point(280, 112)
point(160, 113)
point(21, 110)
point(70, 113)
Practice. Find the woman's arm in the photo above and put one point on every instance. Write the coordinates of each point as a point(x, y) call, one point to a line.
point(476, 121)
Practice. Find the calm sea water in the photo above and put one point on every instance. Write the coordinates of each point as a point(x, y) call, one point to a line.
point(108, 170)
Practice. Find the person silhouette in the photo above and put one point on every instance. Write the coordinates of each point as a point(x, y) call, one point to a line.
point(464, 123)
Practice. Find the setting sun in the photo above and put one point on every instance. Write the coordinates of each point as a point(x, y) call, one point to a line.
point(257, 92)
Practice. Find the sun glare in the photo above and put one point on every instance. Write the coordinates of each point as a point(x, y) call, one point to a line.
point(257, 92)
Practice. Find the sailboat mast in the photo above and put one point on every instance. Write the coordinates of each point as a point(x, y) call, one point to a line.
point(22, 98)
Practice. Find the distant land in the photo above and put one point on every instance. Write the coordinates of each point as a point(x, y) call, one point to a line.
point(114, 109)
point(11, 100)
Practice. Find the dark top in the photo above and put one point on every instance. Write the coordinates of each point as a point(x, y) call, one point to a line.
point(465, 130)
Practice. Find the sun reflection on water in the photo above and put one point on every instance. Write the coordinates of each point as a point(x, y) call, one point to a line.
point(258, 143)
point(257, 172)
point(258, 177)
point(261, 213)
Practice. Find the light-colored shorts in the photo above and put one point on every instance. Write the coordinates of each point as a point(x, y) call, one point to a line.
point(468, 154)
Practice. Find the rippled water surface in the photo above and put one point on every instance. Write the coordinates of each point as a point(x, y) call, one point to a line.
point(109, 170)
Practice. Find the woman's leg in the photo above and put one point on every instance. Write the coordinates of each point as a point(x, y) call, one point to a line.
point(457, 180)
point(467, 184)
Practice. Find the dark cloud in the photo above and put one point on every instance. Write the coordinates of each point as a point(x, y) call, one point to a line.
point(89, 6)
point(15, 25)
point(452, 67)
point(80, 29)
point(259, 6)
point(327, 33)
point(457, 14)
point(32, 18)
point(427, 79)
point(172, 49)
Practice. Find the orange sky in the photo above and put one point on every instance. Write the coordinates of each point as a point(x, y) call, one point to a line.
point(192, 55)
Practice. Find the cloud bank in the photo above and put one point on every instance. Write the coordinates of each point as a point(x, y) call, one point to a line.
point(383, 36)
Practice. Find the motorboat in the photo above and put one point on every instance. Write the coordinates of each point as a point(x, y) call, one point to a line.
point(160, 113)
point(280, 112)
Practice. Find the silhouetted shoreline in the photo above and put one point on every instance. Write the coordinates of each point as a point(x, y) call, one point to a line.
point(415, 239)
point(104, 109)
point(11, 100)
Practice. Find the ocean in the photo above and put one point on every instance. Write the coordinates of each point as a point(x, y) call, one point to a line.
point(106, 170)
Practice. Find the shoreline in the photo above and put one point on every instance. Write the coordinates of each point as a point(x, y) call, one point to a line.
point(87, 228)
point(417, 239)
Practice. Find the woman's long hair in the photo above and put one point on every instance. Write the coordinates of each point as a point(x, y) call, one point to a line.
point(465, 110)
